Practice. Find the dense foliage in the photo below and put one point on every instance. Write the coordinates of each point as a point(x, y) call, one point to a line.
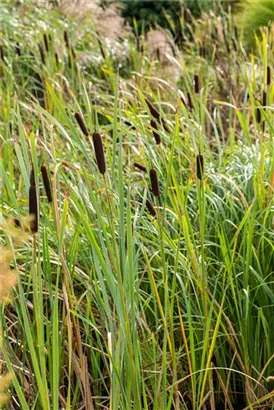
point(149, 281)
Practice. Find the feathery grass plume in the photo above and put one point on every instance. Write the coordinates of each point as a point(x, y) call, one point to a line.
point(189, 100)
point(66, 38)
point(81, 123)
point(196, 84)
point(46, 42)
point(199, 166)
point(42, 54)
point(268, 76)
point(18, 49)
point(46, 182)
point(264, 98)
point(140, 167)
point(154, 182)
point(156, 136)
point(99, 152)
point(258, 115)
point(150, 208)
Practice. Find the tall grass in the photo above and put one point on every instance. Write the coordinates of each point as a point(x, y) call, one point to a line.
point(138, 296)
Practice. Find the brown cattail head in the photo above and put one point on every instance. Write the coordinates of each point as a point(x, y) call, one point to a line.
point(46, 182)
point(17, 223)
point(264, 98)
point(156, 136)
point(33, 209)
point(56, 58)
point(140, 167)
point(154, 112)
point(154, 182)
point(46, 42)
point(189, 99)
point(258, 115)
point(42, 54)
point(32, 177)
point(18, 49)
point(99, 152)
point(150, 208)
point(196, 84)
point(268, 76)
point(81, 123)
point(200, 166)
point(66, 39)
point(2, 54)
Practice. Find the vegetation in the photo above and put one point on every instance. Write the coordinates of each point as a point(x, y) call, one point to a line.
point(147, 280)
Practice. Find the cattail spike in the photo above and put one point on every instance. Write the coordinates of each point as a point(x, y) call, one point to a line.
point(46, 182)
point(46, 42)
point(81, 123)
point(42, 54)
point(268, 77)
point(32, 177)
point(196, 84)
point(18, 49)
point(156, 136)
point(140, 167)
point(258, 115)
point(189, 99)
point(99, 152)
point(200, 166)
point(264, 98)
point(154, 182)
point(66, 38)
point(154, 112)
point(33, 209)
point(150, 208)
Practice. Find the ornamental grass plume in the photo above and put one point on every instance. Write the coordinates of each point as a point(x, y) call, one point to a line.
point(99, 152)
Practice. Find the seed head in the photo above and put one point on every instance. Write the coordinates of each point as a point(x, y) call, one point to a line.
point(33, 209)
point(153, 110)
point(268, 77)
point(258, 115)
point(196, 84)
point(99, 152)
point(154, 182)
point(150, 208)
point(46, 182)
point(46, 42)
point(199, 166)
point(156, 136)
point(66, 38)
point(140, 167)
point(81, 123)
point(264, 98)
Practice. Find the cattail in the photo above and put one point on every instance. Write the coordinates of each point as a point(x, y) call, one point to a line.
point(10, 127)
point(140, 167)
point(32, 177)
point(33, 209)
point(2, 54)
point(99, 152)
point(199, 166)
point(196, 84)
point(153, 111)
point(236, 33)
point(56, 58)
point(46, 182)
point(154, 182)
point(81, 123)
point(42, 54)
point(234, 44)
point(268, 76)
point(264, 98)
point(73, 52)
point(18, 49)
point(189, 99)
point(156, 136)
point(46, 42)
point(17, 223)
point(66, 39)
point(258, 115)
point(150, 208)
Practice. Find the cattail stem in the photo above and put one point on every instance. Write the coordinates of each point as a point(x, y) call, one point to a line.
point(99, 152)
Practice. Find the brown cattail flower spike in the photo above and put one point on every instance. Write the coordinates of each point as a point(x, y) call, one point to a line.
point(81, 123)
point(156, 136)
point(154, 182)
point(99, 152)
point(150, 208)
point(264, 98)
point(46, 42)
point(66, 39)
point(46, 182)
point(33, 205)
point(140, 167)
point(196, 84)
point(200, 166)
point(268, 75)
point(42, 54)
point(258, 115)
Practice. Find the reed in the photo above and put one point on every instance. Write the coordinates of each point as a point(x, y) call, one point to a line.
point(99, 152)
